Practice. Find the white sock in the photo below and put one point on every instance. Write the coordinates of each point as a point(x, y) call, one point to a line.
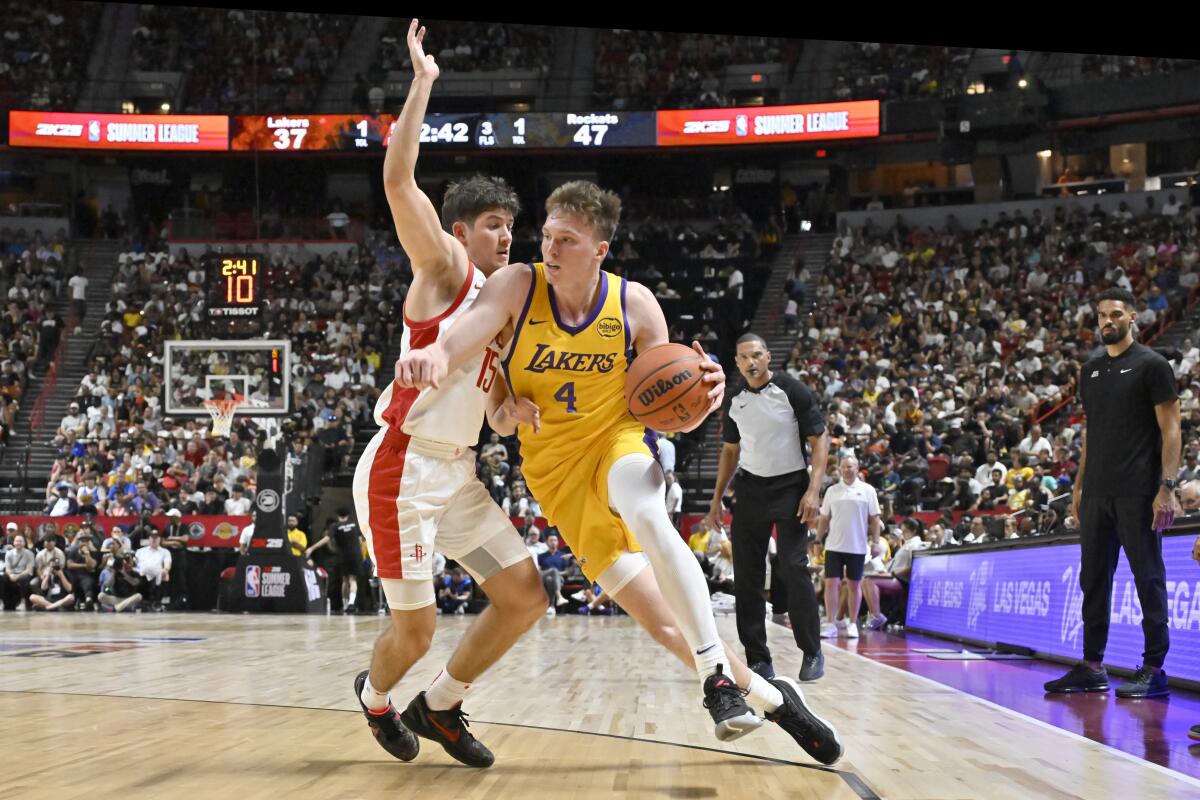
point(445, 692)
point(374, 699)
point(764, 693)
point(636, 489)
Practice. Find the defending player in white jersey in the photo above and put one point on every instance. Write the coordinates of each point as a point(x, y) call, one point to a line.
point(415, 487)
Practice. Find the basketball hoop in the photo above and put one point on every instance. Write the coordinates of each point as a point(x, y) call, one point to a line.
point(222, 413)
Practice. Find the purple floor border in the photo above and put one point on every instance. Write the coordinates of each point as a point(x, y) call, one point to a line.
point(1154, 730)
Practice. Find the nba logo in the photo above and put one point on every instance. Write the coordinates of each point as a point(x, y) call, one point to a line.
point(742, 125)
point(252, 580)
point(94, 131)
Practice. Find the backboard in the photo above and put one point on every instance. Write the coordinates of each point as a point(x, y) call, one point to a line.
point(211, 369)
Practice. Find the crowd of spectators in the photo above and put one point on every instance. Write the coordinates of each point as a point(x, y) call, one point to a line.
point(645, 70)
point(44, 50)
point(947, 359)
point(881, 71)
point(237, 61)
point(1109, 67)
point(461, 46)
point(33, 273)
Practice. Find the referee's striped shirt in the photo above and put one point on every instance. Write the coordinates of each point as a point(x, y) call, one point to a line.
point(772, 425)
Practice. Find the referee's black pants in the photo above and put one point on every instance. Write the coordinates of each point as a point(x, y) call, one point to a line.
point(763, 504)
point(1106, 525)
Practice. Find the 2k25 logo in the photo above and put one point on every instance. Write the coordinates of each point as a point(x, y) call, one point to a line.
point(58, 129)
point(706, 126)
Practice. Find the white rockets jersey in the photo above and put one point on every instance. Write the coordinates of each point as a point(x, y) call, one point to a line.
point(454, 412)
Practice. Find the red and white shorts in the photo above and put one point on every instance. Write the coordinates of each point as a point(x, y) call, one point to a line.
point(414, 496)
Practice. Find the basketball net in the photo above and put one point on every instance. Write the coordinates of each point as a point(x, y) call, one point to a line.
point(222, 412)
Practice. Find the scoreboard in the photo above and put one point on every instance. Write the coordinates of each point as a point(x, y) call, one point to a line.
point(500, 131)
point(475, 131)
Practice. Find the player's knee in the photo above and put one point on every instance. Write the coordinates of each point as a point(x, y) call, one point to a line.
point(412, 637)
point(665, 634)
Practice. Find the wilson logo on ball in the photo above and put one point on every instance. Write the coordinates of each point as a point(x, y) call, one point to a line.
point(661, 387)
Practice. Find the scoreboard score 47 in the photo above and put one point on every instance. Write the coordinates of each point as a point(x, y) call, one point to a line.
point(235, 288)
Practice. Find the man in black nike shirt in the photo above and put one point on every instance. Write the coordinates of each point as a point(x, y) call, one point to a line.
point(1124, 494)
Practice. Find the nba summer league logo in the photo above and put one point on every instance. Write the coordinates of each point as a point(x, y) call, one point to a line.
point(253, 580)
point(979, 593)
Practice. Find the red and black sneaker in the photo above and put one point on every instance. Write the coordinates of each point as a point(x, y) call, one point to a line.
point(815, 735)
point(386, 726)
point(727, 705)
point(449, 729)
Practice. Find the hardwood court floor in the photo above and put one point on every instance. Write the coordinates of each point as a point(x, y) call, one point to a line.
point(205, 705)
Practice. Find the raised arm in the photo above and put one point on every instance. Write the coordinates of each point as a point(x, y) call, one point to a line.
point(433, 251)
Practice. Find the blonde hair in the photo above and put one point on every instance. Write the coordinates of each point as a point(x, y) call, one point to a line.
point(598, 207)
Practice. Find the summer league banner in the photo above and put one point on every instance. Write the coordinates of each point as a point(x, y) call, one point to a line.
point(1030, 597)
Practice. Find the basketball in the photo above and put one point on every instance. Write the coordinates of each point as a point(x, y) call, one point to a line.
point(664, 387)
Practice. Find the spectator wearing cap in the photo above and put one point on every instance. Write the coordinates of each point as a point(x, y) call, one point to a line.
point(18, 572)
point(59, 502)
point(176, 541)
point(83, 567)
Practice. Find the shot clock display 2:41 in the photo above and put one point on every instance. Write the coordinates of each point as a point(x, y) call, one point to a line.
point(235, 285)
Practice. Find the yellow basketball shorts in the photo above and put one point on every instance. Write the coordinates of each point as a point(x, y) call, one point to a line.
point(577, 502)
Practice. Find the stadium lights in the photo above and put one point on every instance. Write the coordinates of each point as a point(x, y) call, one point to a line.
point(166, 107)
point(127, 107)
point(1023, 83)
point(1045, 153)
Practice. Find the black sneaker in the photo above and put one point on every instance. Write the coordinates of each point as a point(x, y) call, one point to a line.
point(815, 735)
point(386, 727)
point(449, 729)
point(1081, 678)
point(812, 668)
point(726, 703)
point(1194, 733)
point(764, 669)
point(1145, 683)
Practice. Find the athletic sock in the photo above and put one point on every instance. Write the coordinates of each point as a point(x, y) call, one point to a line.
point(709, 657)
point(375, 700)
point(445, 692)
point(763, 693)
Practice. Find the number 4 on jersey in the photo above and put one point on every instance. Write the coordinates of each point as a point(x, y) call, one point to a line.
point(566, 394)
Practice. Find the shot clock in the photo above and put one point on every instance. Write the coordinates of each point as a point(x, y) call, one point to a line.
point(235, 290)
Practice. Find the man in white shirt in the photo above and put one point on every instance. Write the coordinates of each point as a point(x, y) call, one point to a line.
point(238, 503)
point(154, 565)
point(674, 498)
point(1035, 443)
point(849, 514)
point(79, 285)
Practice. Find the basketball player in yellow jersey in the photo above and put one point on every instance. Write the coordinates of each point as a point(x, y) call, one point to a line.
point(575, 330)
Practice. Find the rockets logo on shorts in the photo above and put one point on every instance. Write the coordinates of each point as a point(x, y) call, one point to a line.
point(418, 554)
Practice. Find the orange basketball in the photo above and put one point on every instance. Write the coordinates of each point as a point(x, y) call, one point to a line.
point(664, 387)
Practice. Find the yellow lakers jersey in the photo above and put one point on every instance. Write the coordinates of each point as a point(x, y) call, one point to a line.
point(575, 375)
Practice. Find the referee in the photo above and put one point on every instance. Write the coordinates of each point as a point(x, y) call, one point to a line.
point(1124, 494)
point(767, 423)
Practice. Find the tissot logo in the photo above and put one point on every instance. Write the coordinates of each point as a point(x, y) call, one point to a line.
point(57, 129)
point(706, 126)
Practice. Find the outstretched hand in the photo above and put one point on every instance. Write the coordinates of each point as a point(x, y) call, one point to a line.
point(714, 376)
point(424, 66)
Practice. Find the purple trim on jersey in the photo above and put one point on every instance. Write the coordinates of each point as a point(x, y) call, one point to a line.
point(512, 346)
point(651, 440)
point(590, 317)
point(625, 323)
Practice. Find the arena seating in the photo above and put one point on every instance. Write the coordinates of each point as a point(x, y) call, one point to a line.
point(44, 50)
point(293, 53)
point(933, 347)
point(32, 275)
point(871, 70)
point(461, 46)
point(639, 70)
